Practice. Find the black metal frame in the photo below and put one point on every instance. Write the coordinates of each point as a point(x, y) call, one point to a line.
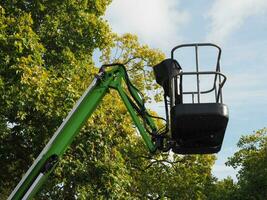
point(217, 76)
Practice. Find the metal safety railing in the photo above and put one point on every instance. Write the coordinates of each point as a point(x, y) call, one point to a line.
point(218, 81)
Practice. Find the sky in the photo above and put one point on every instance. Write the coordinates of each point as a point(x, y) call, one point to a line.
point(239, 27)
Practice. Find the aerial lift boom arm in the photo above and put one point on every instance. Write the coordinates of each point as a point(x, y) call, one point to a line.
point(110, 76)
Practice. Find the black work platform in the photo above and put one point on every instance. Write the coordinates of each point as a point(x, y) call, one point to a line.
point(198, 120)
point(198, 128)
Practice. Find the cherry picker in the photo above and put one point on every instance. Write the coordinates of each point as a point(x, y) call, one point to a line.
point(191, 128)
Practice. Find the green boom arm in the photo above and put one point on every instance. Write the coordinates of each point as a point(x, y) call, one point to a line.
point(110, 76)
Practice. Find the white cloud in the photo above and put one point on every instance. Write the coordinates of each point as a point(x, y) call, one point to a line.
point(229, 15)
point(156, 22)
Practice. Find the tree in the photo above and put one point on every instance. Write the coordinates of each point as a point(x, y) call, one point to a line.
point(225, 189)
point(251, 160)
point(42, 43)
point(177, 177)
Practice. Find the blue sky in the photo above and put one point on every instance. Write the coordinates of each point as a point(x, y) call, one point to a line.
point(239, 27)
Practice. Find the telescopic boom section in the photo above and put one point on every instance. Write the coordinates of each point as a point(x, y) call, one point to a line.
point(110, 76)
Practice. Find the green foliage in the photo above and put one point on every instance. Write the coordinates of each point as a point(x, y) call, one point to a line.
point(42, 74)
point(173, 177)
point(251, 160)
point(224, 189)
